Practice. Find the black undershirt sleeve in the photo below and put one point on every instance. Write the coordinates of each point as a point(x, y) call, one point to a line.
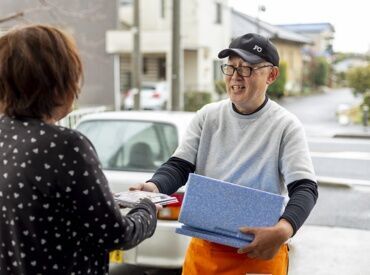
point(172, 175)
point(303, 195)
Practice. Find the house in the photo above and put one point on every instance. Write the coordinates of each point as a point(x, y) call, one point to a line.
point(75, 18)
point(205, 29)
point(288, 43)
point(349, 63)
point(321, 34)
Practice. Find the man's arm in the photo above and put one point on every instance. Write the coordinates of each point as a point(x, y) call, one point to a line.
point(172, 175)
point(303, 195)
point(169, 177)
point(267, 240)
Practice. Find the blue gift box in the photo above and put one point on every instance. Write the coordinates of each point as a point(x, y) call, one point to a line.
point(214, 210)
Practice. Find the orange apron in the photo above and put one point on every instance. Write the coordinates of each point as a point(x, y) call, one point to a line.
point(206, 258)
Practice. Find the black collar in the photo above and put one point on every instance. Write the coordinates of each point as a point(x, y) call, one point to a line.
point(255, 111)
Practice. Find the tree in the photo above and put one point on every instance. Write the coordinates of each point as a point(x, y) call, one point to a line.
point(319, 72)
point(359, 79)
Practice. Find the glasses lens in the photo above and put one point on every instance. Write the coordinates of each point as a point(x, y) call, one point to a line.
point(228, 70)
point(244, 71)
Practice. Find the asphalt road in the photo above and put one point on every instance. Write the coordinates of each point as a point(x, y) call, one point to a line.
point(341, 158)
point(318, 112)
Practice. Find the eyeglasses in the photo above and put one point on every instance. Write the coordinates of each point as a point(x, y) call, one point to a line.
point(244, 71)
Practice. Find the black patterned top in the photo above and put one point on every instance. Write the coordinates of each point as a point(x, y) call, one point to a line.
point(57, 213)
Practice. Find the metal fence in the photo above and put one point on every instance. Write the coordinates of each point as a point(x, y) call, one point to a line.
point(72, 118)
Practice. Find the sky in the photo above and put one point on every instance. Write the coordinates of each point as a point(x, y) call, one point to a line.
point(351, 19)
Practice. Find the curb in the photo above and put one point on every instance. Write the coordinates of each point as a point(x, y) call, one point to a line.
point(359, 136)
point(342, 182)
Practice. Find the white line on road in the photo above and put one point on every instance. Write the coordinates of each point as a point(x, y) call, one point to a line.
point(331, 140)
point(342, 155)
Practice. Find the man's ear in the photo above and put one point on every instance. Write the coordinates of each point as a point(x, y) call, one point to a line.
point(274, 74)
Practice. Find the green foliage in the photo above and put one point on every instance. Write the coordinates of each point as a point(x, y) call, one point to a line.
point(220, 87)
point(319, 72)
point(359, 79)
point(276, 89)
point(366, 99)
point(194, 100)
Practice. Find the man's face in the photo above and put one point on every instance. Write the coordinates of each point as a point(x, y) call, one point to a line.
point(248, 93)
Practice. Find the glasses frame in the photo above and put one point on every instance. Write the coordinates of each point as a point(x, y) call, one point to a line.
point(238, 69)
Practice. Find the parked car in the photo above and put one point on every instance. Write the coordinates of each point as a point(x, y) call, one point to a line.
point(131, 146)
point(153, 96)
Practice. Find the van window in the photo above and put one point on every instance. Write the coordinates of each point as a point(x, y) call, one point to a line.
point(131, 145)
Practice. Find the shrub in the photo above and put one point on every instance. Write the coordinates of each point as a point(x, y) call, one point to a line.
point(276, 89)
point(194, 100)
point(220, 88)
point(366, 99)
point(359, 79)
point(319, 72)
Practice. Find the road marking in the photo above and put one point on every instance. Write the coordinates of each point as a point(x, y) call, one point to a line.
point(342, 155)
point(337, 140)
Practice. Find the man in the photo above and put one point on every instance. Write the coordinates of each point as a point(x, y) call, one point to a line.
point(247, 139)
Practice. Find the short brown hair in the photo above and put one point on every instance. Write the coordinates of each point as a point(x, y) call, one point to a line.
point(40, 69)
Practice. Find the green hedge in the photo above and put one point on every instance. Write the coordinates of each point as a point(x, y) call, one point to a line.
point(220, 88)
point(276, 89)
point(318, 72)
point(194, 100)
point(359, 79)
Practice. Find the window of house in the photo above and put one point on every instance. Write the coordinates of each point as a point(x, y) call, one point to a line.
point(125, 2)
point(162, 11)
point(218, 13)
point(162, 68)
point(145, 65)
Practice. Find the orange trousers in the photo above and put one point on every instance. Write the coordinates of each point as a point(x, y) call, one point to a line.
point(206, 258)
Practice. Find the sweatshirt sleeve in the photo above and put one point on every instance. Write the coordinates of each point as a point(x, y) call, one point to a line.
point(303, 195)
point(172, 175)
point(87, 192)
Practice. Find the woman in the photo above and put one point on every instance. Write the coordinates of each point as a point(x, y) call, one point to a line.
point(57, 214)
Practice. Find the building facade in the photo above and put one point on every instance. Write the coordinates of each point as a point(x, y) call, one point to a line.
point(205, 29)
point(87, 22)
point(321, 34)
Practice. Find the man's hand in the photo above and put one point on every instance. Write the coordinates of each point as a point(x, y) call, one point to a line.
point(267, 240)
point(145, 186)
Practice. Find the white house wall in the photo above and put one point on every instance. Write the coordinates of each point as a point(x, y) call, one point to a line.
point(202, 38)
point(191, 73)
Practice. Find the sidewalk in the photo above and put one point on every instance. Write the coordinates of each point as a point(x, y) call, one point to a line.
point(322, 250)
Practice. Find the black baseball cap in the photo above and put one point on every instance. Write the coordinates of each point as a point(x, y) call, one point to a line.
point(253, 48)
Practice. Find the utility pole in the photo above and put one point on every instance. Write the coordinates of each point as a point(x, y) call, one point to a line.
point(136, 56)
point(260, 8)
point(176, 57)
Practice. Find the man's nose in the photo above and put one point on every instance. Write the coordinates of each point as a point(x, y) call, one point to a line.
point(236, 75)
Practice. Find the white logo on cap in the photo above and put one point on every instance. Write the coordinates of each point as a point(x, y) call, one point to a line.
point(257, 48)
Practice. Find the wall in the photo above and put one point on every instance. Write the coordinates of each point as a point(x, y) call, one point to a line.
point(87, 21)
point(202, 38)
point(291, 54)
